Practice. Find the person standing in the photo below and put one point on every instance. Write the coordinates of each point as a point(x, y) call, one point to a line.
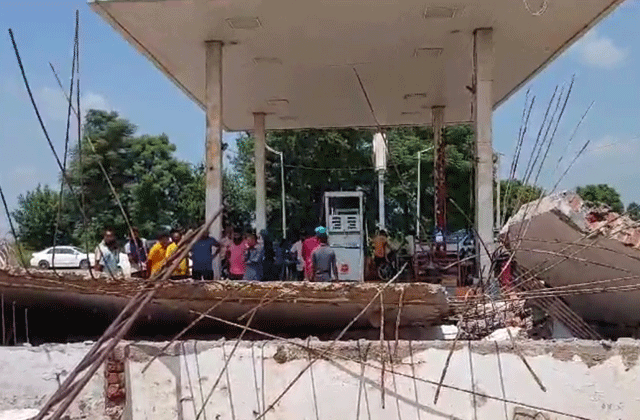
point(269, 255)
point(107, 254)
point(253, 258)
point(279, 260)
point(380, 248)
point(308, 246)
point(235, 256)
point(158, 253)
point(323, 259)
point(182, 270)
point(202, 255)
point(137, 250)
point(440, 246)
point(225, 243)
point(296, 251)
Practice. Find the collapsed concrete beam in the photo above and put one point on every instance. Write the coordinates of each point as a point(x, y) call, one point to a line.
point(286, 304)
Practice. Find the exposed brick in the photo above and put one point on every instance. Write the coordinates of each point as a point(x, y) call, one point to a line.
point(115, 392)
point(115, 366)
point(115, 384)
point(112, 378)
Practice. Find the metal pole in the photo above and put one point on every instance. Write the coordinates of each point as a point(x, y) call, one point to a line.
point(15, 330)
point(498, 206)
point(284, 208)
point(381, 215)
point(261, 183)
point(419, 191)
point(418, 200)
point(439, 175)
point(26, 323)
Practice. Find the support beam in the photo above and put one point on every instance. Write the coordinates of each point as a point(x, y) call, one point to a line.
point(380, 160)
point(439, 180)
point(381, 213)
point(483, 105)
point(213, 158)
point(261, 183)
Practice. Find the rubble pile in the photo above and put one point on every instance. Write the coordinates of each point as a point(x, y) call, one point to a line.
point(613, 225)
point(585, 216)
point(484, 319)
point(588, 254)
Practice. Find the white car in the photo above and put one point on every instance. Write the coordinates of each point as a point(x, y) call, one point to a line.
point(65, 256)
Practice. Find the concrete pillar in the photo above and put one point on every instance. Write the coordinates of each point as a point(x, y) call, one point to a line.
point(440, 195)
point(381, 213)
point(483, 105)
point(380, 161)
point(261, 183)
point(213, 158)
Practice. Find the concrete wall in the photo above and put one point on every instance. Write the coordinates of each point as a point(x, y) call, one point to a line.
point(28, 375)
point(589, 380)
point(586, 379)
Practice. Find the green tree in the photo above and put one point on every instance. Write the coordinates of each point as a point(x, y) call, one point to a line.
point(156, 180)
point(601, 194)
point(36, 216)
point(633, 210)
point(514, 193)
point(317, 161)
point(106, 141)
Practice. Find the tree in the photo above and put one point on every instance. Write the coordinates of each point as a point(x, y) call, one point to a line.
point(317, 161)
point(633, 210)
point(155, 189)
point(36, 216)
point(601, 194)
point(106, 142)
point(514, 194)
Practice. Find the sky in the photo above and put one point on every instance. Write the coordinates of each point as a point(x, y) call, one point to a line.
point(115, 76)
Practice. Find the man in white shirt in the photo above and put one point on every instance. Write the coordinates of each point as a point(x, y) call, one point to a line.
point(297, 249)
point(137, 251)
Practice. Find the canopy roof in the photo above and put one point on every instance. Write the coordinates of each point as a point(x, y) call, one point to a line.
point(307, 63)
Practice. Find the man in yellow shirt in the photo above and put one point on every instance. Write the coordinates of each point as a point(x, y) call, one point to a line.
point(158, 253)
point(380, 248)
point(182, 271)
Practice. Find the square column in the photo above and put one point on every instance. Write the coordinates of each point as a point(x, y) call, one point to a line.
point(213, 154)
point(439, 174)
point(259, 157)
point(483, 60)
point(380, 160)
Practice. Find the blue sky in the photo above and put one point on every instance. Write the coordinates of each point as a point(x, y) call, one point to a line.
point(115, 76)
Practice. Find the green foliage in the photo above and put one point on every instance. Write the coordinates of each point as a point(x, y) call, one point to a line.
point(317, 161)
point(601, 194)
point(514, 194)
point(36, 216)
point(633, 210)
point(155, 189)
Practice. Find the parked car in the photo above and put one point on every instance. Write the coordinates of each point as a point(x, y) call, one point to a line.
point(461, 242)
point(65, 256)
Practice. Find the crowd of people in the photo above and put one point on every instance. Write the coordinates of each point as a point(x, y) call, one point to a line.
point(237, 255)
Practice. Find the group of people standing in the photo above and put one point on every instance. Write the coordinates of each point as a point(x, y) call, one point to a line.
point(243, 256)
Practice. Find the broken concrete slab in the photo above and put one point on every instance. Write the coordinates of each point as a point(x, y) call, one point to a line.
point(285, 305)
point(589, 380)
point(556, 240)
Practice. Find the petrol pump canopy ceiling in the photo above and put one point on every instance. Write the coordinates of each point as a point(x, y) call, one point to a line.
point(304, 62)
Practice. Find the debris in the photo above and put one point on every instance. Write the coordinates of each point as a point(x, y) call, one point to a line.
point(502, 334)
point(587, 256)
